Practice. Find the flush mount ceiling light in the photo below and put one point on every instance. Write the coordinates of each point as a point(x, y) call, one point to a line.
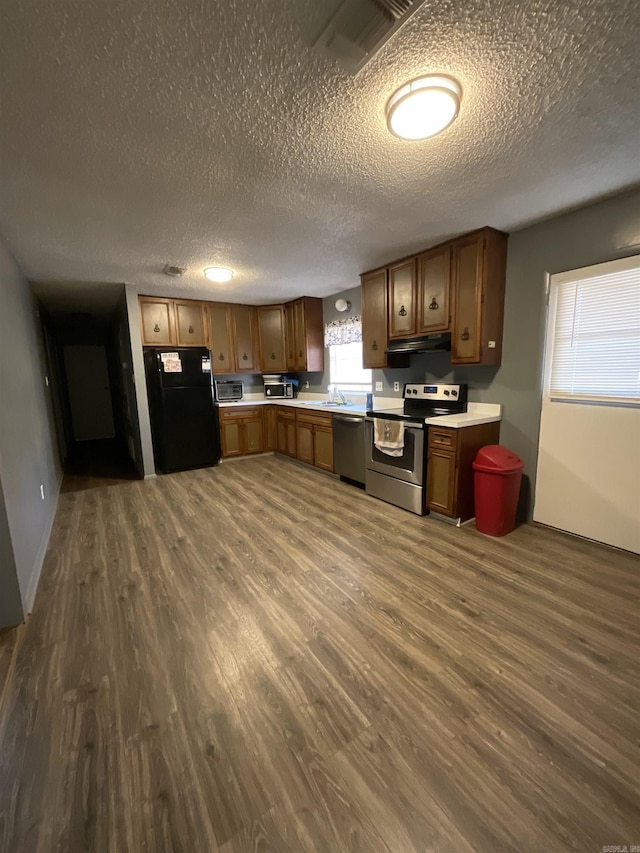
point(343, 305)
point(219, 274)
point(423, 107)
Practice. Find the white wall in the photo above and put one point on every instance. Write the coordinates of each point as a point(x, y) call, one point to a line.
point(28, 454)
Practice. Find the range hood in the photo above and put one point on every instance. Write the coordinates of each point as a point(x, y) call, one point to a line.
point(427, 343)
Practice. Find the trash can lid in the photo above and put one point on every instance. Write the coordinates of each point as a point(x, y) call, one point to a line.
point(495, 458)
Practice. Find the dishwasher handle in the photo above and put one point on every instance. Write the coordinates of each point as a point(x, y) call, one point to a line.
point(347, 419)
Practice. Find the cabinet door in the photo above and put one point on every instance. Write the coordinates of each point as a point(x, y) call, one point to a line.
point(253, 435)
point(271, 324)
point(466, 296)
point(231, 434)
point(441, 481)
point(374, 319)
point(291, 438)
point(189, 324)
point(434, 271)
point(323, 447)
point(282, 445)
point(220, 338)
point(300, 333)
point(156, 317)
point(290, 319)
point(304, 435)
point(270, 427)
point(245, 334)
point(402, 289)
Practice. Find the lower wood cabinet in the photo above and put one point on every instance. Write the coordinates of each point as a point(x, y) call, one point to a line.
point(449, 467)
point(314, 436)
point(241, 430)
point(286, 431)
point(270, 416)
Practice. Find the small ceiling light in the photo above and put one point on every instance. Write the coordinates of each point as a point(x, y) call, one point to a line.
point(219, 274)
point(343, 305)
point(423, 107)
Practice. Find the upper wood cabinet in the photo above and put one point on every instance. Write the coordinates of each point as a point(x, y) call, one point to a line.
point(271, 334)
point(190, 323)
point(245, 338)
point(374, 319)
point(434, 273)
point(220, 338)
point(477, 295)
point(157, 321)
point(305, 334)
point(402, 299)
point(232, 338)
point(172, 322)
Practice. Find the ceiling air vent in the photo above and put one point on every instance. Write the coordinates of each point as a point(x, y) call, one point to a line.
point(357, 29)
point(173, 271)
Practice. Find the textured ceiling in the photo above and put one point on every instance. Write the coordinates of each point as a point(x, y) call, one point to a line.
point(135, 134)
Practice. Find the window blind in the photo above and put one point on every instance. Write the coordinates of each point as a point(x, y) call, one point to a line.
point(596, 340)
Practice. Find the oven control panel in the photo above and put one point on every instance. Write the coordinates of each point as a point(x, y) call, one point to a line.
point(415, 391)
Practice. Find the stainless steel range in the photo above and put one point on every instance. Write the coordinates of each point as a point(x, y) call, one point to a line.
point(396, 442)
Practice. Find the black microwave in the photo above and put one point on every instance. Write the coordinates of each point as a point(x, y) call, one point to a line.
point(279, 389)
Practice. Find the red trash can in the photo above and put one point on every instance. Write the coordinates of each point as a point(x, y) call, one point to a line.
point(497, 477)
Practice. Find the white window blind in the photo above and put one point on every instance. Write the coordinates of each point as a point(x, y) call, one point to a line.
point(596, 334)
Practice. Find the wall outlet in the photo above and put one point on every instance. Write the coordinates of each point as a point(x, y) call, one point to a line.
point(396, 386)
point(42, 490)
point(378, 386)
point(306, 385)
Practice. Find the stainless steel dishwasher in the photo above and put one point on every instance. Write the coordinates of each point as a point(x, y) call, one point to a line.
point(348, 447)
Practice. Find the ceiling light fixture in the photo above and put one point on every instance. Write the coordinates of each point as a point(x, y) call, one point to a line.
point(219, 274)
point(423, 107)
point(343, 305)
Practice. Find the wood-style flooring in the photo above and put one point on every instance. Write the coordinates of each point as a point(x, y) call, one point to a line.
point(258, 657)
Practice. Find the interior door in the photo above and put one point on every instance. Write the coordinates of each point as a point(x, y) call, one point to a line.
point(89, 392)
point(588, 478)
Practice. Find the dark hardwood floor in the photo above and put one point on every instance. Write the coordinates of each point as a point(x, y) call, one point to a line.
point(258, 657)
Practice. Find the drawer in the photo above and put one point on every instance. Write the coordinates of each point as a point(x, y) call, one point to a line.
point(446, 439)
point(286, 414)
point(317, 418)
point(240, 412)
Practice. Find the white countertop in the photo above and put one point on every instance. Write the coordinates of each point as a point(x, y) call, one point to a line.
point(477, 413)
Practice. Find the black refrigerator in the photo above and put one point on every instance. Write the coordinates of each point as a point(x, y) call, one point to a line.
point(184, 424)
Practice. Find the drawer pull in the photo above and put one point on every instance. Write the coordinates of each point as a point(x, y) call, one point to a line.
point(374, 345)
point(433, 305)
point(403, 311)
point(245, 357)
point(273, 356)
point(465, 334)
point(156, 328)
point(190, 330)
point(221, 357)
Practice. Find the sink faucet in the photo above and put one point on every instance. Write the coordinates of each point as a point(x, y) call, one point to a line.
point(341, 398)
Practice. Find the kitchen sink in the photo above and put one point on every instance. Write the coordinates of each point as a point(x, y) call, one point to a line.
point(324, 403)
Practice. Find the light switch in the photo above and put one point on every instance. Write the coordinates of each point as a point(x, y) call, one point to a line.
point(378, 386)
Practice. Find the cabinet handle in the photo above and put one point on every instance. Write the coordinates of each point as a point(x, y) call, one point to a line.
point(156, 328)
point(273, 356)
point(245, 357)
point(403, 311)
point(190, 330)
point(465, 335)
point(300, 355)
point(221, 357)
point(374, 345)
point(433, 305)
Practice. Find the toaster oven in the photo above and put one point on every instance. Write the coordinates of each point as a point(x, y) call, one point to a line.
point(227, 390)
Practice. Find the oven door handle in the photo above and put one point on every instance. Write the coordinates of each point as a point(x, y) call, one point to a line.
point(406, 424)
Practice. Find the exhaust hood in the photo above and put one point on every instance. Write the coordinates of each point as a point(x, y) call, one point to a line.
point(428, 343)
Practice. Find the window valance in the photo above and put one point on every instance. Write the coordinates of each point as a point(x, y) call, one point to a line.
point(339, 332)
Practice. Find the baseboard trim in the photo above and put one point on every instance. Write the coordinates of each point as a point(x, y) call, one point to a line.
point(150, 476)
point(42, 553)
